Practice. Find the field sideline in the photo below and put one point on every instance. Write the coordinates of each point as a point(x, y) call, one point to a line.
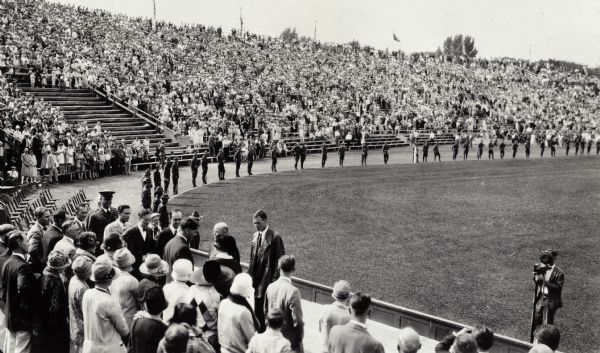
point(411, 234)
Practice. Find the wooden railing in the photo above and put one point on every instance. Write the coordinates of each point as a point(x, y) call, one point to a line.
point(393, 315)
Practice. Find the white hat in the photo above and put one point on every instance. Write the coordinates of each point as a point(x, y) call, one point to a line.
point(182, 269)
point(242, 285)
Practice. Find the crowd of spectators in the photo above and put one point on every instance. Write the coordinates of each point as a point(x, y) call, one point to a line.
point(204, 83)
point(140, 291)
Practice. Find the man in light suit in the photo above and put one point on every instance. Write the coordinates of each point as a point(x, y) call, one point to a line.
point(169, 232)
point(282, 295)
point(120, 225)
point(140, 240)
point(549, 290)
point(179, 247)
point(354, 337)
point(80, 217)
point(266, 249)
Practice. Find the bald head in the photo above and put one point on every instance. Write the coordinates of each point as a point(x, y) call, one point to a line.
point(221, 228)
point(408, 341)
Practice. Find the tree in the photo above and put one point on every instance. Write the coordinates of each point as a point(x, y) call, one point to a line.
point(438, 52)
point(457, 46)
point(469, 47)
point(355, 45)
point(447, 46)
point(289, 34)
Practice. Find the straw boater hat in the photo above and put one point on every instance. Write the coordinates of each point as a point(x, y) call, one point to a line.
point(154, 266)
point(123, 258)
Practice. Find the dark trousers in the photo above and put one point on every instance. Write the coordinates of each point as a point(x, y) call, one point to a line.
point(542, 152)
point(250, 167)
point(204, 172)
point(363, 159)
point(296, 162)
point(501, 154)
point(491, 155)
point(437, 156)
point(545, 311)
point(237, 168)
point(302, 159)
point(466, 154)
point(341, 161)
point(167, 182)
point(221, 170)
point(323, 161)
point(259, 304)
point(194, 176)
point(425, 158)
point(175, 186)
point(552, 152)
point(454, 154)
point(386, 158)
point(274, 165)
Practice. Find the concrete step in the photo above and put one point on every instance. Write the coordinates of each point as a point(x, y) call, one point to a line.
point(71, 103)
point(100, 116)
point(75, 113)
point(66, 109)
point(50, 94)
point(47, 89)
point(52, 99)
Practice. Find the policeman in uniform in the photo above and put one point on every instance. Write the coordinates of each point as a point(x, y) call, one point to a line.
point(167, 173)
point(324, 154)
point(221, 164)
point(237, 158)
point(386, 152)
point(158, 193)
point(195, 165)
point(454, 150)
point(163, 212)
point(147, 195)
point(342, 154)
point(303, 153)
point(490, 150)
point(250, 159)
point(425, 151)
point(274, 158)
point(542, 148)
point(515, 148)
point(204, 165)
point(502, 146)
point(567, 145)
point(100, 218)
point(156, 175)
point(175, 175)
point(527, 148)
point(576, 143)
point(436, 152)
point(466, 149)
point(480, 149)
point(364, 154)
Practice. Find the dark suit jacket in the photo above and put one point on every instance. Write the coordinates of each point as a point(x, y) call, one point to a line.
point(351, 338)
point(555, 284)
point(51, 237)
point(18, 292)
point(444, 345)
point(163, 238)
point(177, 248)
point(263, 261)
point(136, 244)
point(36, 249)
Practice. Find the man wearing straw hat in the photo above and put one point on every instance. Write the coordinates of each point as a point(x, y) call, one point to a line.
point(336, 313)
point(125, 288)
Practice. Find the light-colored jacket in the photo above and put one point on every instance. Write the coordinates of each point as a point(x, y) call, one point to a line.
point(235, 327)
point(270, 341)
point(115, 227)
point(125, 290)
point(103, 323)
point(282, 295)
point(333, 314)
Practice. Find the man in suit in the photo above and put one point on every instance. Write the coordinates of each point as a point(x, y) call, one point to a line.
point(484, 339)
point(140, 240)
point(34, 238)
point(179, 247)
point(80, 216)
point(282, 295)
point(103, 216)
point(274, 152)
point(266, 249)
point(120, 225)
point(167, 174)
point(296, 150)
point(169, 232)
point(195, 165)
point(461, 343)
point(549, 290)
point(386, 152)
point(353, 336)
point(54, 233)
point(18, 292)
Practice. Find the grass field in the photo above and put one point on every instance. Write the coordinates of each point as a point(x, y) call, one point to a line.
point(457, 240)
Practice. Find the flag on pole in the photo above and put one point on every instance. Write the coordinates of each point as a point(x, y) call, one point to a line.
point(394, 37)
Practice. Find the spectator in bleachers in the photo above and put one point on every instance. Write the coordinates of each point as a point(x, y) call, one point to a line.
point(336, 313)
point(353, 336)
point(408, 341)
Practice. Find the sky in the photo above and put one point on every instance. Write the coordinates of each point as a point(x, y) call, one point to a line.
point(529, 29)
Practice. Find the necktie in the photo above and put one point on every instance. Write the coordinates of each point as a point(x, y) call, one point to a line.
point(259, 241)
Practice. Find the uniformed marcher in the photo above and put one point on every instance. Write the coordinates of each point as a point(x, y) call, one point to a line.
point(490, 150)
point(542, 148)
point(552, 148)
point(527, 148)
point(237, 157)
point(204, 165)
point(581, 144)
point(303, 153)
point(502, 146)
point(163, 212)
point(597, 145)
point(195, 165)
point(567, 145)
point(296, 153)
point(251, 154)
point(167, 174)
point(158, 193)
point(274, 158)
point(147, 179)
point(576, 144)
point(364, 154)
point(466, 149)
point(175, 175)
point(101, 217)
point(221, 164)
point(156, 175)
point(480, 149)
point(386, 152)
point(147, 196)
point(323, 154)
point(342, 154)
point(515, 148)
point(425, 151)
point(436, 152)
point(454, 150)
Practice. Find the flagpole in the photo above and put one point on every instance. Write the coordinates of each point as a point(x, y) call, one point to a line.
point(154, 11)
point(315, 34)
point(241, 24)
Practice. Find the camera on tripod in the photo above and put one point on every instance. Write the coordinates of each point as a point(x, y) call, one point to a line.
point(540, 268)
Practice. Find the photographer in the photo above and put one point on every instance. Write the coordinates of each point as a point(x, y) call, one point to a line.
point(549, 280)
